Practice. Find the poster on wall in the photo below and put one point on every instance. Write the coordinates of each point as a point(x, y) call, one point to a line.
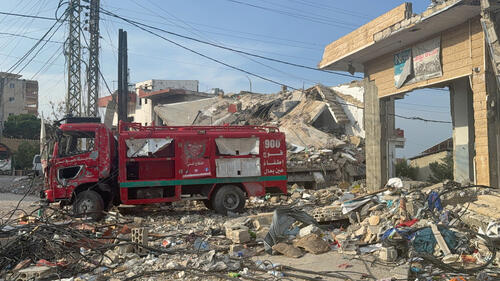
point(402, 67)
point(421, 62)
point(426, 59)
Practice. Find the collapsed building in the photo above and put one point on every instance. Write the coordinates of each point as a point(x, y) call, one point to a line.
point(323, 126)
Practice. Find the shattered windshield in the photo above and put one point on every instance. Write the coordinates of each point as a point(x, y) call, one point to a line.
point(74, 143)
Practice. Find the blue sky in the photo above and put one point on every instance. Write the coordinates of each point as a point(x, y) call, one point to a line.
point(291, 30)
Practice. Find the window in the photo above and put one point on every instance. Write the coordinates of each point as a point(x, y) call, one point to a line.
point(11, 99)
point(12, 85)
point(74, 143)
point(145, 101)
point(10, 114)
point(140, 101)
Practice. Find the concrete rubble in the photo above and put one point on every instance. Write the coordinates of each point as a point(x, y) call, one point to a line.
point(410, 226)
point(323, 127)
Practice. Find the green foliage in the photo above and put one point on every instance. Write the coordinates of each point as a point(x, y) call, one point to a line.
point(23, 158)
point(442, 170)
point(22, 126)
point(404, 170)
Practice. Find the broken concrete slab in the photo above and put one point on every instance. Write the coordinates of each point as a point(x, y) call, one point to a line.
point(288, 250)
point(313, 243)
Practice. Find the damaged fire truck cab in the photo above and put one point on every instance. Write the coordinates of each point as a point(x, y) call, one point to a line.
point(220, 165)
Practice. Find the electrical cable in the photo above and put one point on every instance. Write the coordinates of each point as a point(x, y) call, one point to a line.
point(203, 55)
point(28, 53)
point(26, 16)
point(199, 33)
point(48, 63)
point(142, 25)
point(28, 37)
point(40, 49)
point(232, 32)
point(295, 15)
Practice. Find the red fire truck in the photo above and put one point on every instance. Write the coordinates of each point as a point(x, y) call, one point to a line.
point(93, 168)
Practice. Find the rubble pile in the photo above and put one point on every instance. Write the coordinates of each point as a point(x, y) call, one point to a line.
point(421, 233)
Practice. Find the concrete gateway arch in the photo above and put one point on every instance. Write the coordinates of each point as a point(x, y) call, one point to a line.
point(453, 44)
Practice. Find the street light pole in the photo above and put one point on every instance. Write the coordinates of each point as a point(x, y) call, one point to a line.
point(249, 82)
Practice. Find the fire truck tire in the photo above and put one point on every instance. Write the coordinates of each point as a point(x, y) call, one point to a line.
point(228, 198)
point(208, 204)
point(89, 203)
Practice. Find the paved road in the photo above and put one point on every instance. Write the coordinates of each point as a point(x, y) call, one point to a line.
point(8, 202)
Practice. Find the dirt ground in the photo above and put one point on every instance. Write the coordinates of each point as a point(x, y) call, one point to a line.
point(336, 263)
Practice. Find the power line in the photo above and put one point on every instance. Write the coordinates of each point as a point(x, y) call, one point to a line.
point(27, 16)
point(423, 105)
point(422, 119)
point(200, 54)
point(48, 63)
point(334, 9)
point(140, 26)
point(232, 35)
point(233, 31)
point(195, 31)
point(40, 49)
point(137, 24)
point(28, 37)
point(417, 118)
point(295, 15)
point(423, 110)
point(30, 51)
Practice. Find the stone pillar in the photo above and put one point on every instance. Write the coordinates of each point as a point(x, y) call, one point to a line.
point(389, 108)
point(463, 130)
point(376, 140)
point(484, 127)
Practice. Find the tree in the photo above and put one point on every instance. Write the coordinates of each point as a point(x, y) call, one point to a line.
point(404, 170)
point(442, 170)
point(23, 158)
point(22, 126)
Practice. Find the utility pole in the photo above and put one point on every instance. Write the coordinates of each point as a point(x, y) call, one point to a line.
point(93, 67)
point(73, 54)
point(122, 76)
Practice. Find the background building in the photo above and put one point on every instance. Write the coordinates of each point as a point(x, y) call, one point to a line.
point(18, 96)
point(151, 93)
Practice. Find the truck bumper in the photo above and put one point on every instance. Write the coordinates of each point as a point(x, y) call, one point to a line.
point(48, 194)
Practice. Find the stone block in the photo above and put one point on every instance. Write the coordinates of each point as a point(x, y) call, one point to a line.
point(238, 234)
point(405, 22)
point(388, 254)
point(260, 220)
point(288, 250)
point(235, 248)
point(312, 243)
point(308, 230)
point(140, 236)
point(123, 249)
point(34, 273)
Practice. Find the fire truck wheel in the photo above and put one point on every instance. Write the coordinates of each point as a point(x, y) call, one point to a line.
point(228, 198)
point(89, 203)
point(208, 204)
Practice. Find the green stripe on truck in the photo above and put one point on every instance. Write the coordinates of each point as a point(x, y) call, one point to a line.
point(132, 184)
